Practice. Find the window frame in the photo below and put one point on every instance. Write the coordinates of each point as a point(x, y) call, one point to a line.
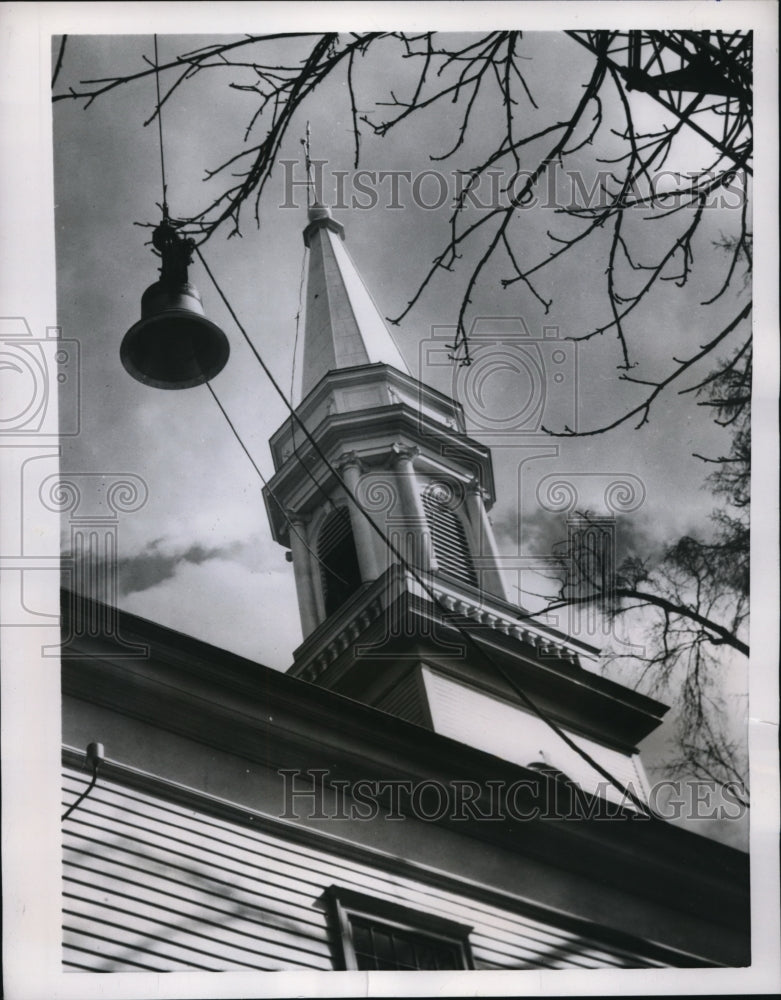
point(343, 904)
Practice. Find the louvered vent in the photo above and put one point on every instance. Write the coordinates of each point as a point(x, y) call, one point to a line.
point(448, 538)
point(339, 569)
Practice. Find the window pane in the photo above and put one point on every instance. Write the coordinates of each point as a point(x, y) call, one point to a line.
point(383, 950)
point(379, 946)
point(427, 958)
point(362, 945)
point(405, 953)
point(361, 938)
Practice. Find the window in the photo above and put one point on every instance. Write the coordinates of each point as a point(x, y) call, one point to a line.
point(372, 934)
point(339, 570)
point(447, 534)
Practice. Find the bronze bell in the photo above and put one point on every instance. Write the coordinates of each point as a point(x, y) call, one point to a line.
point(173, 345)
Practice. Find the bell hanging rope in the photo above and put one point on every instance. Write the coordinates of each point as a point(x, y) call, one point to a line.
point(173, 345)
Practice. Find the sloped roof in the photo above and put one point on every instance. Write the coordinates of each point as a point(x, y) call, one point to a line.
point(343, 326)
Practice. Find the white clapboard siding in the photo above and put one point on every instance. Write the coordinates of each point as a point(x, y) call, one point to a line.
point(154, 884)
point(228, 932)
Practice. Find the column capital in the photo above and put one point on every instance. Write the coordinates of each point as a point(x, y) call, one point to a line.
point(475, 487)
point(349, 460)
point(403, 453)
point(296, 518)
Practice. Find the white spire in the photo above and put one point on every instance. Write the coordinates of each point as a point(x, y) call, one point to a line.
point(343, 326)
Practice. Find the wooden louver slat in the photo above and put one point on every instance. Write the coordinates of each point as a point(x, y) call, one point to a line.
point(448, 539)
point(334, 531)
point(339, 569)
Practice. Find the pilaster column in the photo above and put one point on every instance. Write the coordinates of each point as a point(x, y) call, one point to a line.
point(350, 468)
point(484, 542)
point(418, 548)
point(304, 568)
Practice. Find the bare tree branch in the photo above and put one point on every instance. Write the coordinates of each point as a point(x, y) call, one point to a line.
point(683, 366)
point(487, 69)
point(60, 56)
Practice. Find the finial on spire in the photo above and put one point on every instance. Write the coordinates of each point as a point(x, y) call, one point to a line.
point(318, 214)
point(310, 177)
point(316, 210)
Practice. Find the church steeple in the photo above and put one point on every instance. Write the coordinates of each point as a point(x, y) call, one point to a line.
point(385, 433)
point(380, 622)
point(343, 326)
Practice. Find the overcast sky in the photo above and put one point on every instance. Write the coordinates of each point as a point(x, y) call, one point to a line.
point(198, 556)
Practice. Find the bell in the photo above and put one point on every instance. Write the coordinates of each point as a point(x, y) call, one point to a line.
point(173, 345)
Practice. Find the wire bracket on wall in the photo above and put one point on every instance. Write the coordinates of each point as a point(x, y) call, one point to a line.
point(95, 756)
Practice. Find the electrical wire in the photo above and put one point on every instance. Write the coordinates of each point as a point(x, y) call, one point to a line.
point(160, 132)
point(85, 793)
point(296, 447)
point(306, 143)
point(298, 324)
point(232, 426)
point(416, 575)
point(329, 569)
point(308, 166)
point(408, 567)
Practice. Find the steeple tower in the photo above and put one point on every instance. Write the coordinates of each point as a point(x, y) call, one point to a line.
point(393, 454)
point(386, 434)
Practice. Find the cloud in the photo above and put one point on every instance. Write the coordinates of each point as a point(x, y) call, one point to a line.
point(156, 563)
point(543, 534)
point(234, 595)
point(153, 566)
point(247, 611)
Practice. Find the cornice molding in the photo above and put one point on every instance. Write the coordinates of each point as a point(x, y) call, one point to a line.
point(293, 485)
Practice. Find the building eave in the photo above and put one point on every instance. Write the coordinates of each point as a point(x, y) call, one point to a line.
point(545, 662)
point(229, 702)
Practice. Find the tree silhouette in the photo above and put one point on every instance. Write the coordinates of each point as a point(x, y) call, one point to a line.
point(692, 602)
point(701, 81)
point(657, 131)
